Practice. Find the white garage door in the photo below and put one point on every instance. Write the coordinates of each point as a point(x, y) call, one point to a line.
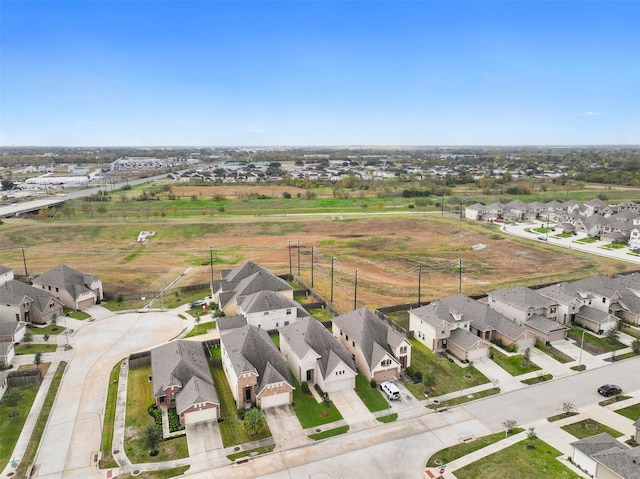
point(342, 385)
point(274, 400)
point(477, 354)
point(199, 416)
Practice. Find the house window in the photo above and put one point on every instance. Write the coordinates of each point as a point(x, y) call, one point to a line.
point(173, 399)
point(288, 311)
point(353, 343)
point(353, 357)
point(341, 332)
point(286, 323)
point(163, 399)
point(266, 313)
point(56, 290)
point(604, 300)
point(346, 337)
point(403, 349)
point(49, 288)
point(277, 324)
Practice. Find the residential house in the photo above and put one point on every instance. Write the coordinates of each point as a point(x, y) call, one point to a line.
point(629, 206)
point(243, 280)
point(257, 372)
point(6, 274)
point(595, 320)
point(475, 211)
point(314, 355)
point(379, 351)
point(76, 290)
point(534, 311)
point(634, 238)
point(565, 298)
point(21, 302)
point(181, 380)
point(12, 331)
point(7, 353)
point(269, 310)
point(603, 457)
point(3, 383)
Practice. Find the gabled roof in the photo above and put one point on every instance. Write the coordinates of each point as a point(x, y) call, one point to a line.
point(71, 280)
point(250, 349)
point(309, 335)
point(522, 297)
point(593, 314)
point(258, 279)
point(598, 443)
point(544, 324)
point(5, 269)
point(375, 337)
point(465, 340)
point(624, 463)
point(5, 347)
point(562, 293)
point(10, 328)
point(196, 391)
point(231, 322)
point(175, 363)
point(17, 289)
point(268, 301)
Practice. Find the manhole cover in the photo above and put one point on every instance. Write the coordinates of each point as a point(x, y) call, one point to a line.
point(10, 474)
point(116, 451)
point(591, 426)
point(318, 430)
point(135, 472)
point(237, 448)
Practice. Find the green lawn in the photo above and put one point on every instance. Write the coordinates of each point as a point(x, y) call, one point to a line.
point(538, 379)
point(139, 398)
point(554, 353)
point(631, 412)
point(448, 375)
point(49, 329)
point(371, 397)
point(38, 429)
point(518, 462)
point(562, 415)
point(202, 328)
point(329, 433)
point(163, 474)
point(463, 398)
point(310, 412)
point(247, 452)
point(588, 428)
point(587, 240)
point(593, 344)
point(514, 365)
point(389, 418)
point(33, 348)
point(400, 317)
point(109, 418)
point(81, 315)
point(320, 314)
point(448, 454)
point(635, 332)
point(231, 427)
point(11, 426)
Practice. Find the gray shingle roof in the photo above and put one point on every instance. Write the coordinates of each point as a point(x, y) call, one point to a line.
point(598, 443)
point(592, 314)
point(5, 269)
point(231, 322)
point(522, 297)
point(269, 301)
point(175, 363)
point(259, 280)
point(17, 290)
point(9, 328)
point(309, 335)
point(375, 337)
point(5, 346)
point(625, 463)
point(62, 276)
point(544, 324)
point(464, 339)
point(250, 349)
point(196, 391)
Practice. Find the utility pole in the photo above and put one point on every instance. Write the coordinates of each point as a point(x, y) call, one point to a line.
point(290, 271)
point(24, 260)
point(355, 291)
point(460, 275)
point(211, 264)
point(419, 282)
point(298, 258)
point(333, 261)
point(442, 205)
point(312, 254)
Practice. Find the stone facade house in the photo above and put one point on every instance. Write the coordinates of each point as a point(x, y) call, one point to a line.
point(379, 351)
point(181, 380)
point(257, 373)
point(21, 302)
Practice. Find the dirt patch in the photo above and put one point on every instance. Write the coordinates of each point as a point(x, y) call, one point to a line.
point(386, 252)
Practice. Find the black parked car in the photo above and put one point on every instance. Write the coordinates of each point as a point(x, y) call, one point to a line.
point(610, 390)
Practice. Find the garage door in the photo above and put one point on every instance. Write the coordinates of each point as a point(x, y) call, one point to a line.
point(199, 416)
point(342, 385)
point(477, 354)
point(274, 400)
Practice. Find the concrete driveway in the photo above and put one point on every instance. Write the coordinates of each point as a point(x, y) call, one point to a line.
point(285, 427)
point(353, 410)
point(72, 437)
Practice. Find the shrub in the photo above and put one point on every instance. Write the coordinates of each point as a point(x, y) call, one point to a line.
point(373, 383)
point(304, 387)
point(414, 374)
point(241, 413)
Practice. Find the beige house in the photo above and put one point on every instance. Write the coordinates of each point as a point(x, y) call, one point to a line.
point(379, 351)
point(603, 457)
point(74, 289)
point(21, 302)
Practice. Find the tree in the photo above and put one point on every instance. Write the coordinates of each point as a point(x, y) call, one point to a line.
point(635, 346)
point(46, 338)
point(568, 407)
point(28, 338)
point(526, 357)
point(54, 319)
point(253, 422)
point(152, 437)
point(532, 435)
point(509, 425)
point(37, 360)
point(12, 398)
point(613, 335)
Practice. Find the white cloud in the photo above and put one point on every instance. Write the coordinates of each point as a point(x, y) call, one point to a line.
point(591, 113)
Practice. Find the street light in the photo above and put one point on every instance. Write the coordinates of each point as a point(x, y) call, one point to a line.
point(581, 345)
point(101, 436)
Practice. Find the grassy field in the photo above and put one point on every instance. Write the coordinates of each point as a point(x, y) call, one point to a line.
point(384, 244)
point(9, 425)
point(448, 454)
point(109, 418)
point(310, 412)
point(517, 462)
point(631, 412)
point(593, 344)
point(449, 377)
point(588, 428)
point(34, 348)
point(139, 398)
point(49, 329)
point(371, 397)
point(514, 365)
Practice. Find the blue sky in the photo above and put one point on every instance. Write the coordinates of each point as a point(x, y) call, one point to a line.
point(304, 73)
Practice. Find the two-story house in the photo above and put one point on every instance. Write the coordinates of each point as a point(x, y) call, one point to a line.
point(76, 290)
point(269, 310)
point(379, 351)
